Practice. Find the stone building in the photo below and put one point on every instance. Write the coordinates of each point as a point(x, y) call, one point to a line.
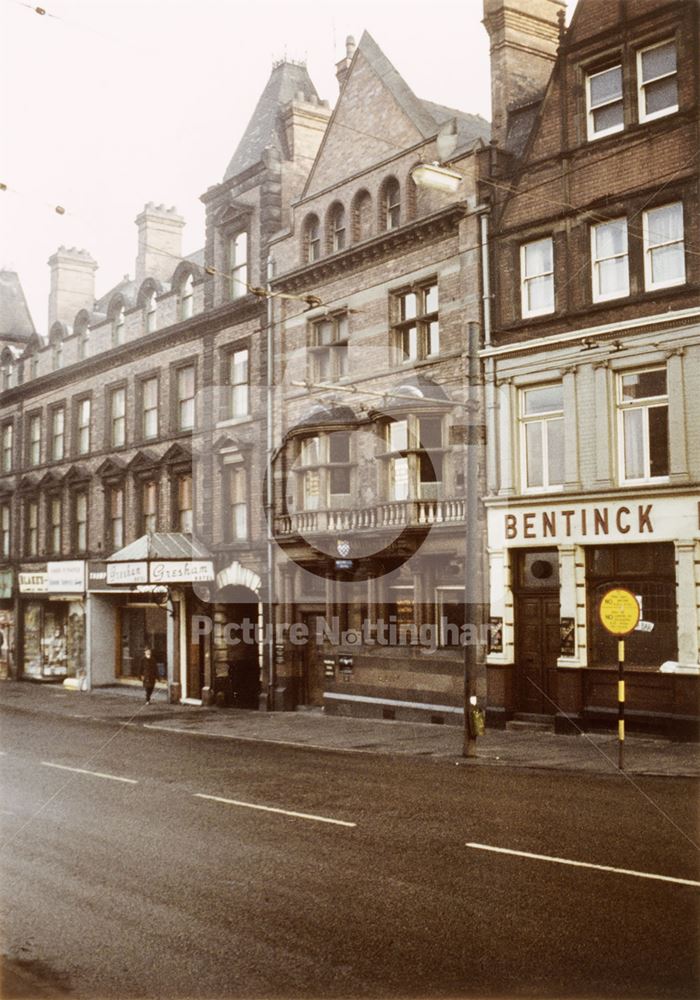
point(369, 417)
point(592, 359)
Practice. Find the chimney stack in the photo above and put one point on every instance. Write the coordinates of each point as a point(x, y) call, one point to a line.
point(72, 284)
point(160, 242)
point(524, 37)
point(341, 68)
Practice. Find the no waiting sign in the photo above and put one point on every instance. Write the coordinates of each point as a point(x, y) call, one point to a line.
point(619, 611)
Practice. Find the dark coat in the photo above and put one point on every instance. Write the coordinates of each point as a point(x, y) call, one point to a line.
point(149, 670)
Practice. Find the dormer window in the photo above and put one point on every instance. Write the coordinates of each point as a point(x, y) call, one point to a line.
point(187, 297)
point(238, 265)
point(83, 331)
point(118, 327)
point(151, 312)
point(391, 204)
point(312, 239)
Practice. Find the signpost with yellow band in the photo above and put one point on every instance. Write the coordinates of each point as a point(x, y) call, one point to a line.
point(619, 613)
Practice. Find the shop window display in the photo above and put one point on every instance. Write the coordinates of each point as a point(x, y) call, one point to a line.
point(54, 640)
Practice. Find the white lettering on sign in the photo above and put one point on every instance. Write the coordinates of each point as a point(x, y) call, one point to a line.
point(197, 571)
point(136, 572)
point(66, 577)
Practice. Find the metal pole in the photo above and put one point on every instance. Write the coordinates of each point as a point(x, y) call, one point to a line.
point(621, 704)
point(271, 679)
point(473, 561)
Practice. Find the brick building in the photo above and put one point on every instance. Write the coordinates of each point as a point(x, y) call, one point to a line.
point(131, 466)
point(592, 358)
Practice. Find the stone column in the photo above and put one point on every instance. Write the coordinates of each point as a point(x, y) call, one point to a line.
point(572, 475)
point(677, 430)
point(506, 428)
point(604, 428)
point(688, 602)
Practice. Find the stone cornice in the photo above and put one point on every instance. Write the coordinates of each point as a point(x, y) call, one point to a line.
point(358, 255)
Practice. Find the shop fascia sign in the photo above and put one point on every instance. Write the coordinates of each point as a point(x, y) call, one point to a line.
point(161, 572)
point(66, 577)
point(619, 521)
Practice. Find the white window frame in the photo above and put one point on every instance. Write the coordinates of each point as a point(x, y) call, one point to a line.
point(186, 404)
point(81, 521)
point(7, 447)
point(117, 420)
point(58, 434)
point(148, 411)
point(239, 388)
point(116, 516)
point(32, 513)
point(5, 530)
point(591, 133)
point(646, 404)
point(55, 525)
point(641, 84)
point(598, 296)
point(543, 419)
point(526, 278)
point(83, 427)
point(238, 264)
point(35, 439)
point(649, 283)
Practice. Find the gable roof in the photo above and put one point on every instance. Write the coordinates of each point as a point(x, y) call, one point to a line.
point(15, 319)
point(287, 81)
point(412, 118)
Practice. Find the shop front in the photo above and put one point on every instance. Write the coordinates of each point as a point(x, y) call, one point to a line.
point(52, 622)
point(143, 596)
point(550, 564)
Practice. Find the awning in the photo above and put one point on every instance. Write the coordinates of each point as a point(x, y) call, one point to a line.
point(161, 558)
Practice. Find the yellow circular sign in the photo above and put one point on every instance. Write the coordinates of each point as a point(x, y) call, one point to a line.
point(619, 611)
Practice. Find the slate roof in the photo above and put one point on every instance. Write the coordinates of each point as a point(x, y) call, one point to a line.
point(286, 81)
point(15, 319)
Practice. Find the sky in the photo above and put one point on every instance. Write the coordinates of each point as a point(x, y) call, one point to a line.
point(109, 104)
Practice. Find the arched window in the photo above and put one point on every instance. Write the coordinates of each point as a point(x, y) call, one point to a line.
point(56, 340)
point(150, 312)
point(118, 326)
point(82, 329)
point(187, 297)
point(312, 239)
point(335, 229)
point(362, 216)
point(391, 204)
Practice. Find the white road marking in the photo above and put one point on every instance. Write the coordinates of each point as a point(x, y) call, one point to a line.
point(94, 774)
point(270, 809)
point(584, 864)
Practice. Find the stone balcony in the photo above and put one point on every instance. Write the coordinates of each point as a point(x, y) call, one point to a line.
point(389, 515)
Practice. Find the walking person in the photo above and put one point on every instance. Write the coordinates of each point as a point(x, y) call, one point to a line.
point(148, 672)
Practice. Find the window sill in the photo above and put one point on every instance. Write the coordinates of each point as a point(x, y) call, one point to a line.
point(234, 421)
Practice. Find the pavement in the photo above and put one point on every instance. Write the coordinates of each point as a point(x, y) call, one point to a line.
point(588, 752)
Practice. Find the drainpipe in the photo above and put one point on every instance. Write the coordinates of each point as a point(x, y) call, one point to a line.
point(271, 680)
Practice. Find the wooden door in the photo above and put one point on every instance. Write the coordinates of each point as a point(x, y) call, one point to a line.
point(537, 643)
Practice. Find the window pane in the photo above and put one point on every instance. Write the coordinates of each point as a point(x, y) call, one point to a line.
point(340, 482)
point(547, 399)
point(555, 452)
point(660, 95)
point(606, 86)
point(540, 294)
point(611, 238)
point(150, 393)
point(658, 61)
point(538, 257)
point(239, 401)
point(431, 299)
point(430, 432)
point(398, 436)
point(312, 489)
point(608, 117)
point(665, 224)
point(324, 332)
point(633, 422)
point(658, 440)
point(434, 337)
point(613, 277)
point(339, 447)
point(533, 447)
point(408, 306)
point(399, 479)
point(668, 263)
point(310, 451)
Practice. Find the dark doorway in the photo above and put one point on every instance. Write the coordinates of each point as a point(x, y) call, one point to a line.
point(537, 634)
